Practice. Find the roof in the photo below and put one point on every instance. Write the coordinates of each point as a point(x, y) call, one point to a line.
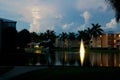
point(6, 20)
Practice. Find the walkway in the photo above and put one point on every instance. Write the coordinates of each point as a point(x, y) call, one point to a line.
point(17, 70)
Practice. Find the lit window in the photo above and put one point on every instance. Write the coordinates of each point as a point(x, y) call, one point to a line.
point(119, 35)
point(114, 41)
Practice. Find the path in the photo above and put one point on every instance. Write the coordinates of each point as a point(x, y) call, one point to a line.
point(17, 70)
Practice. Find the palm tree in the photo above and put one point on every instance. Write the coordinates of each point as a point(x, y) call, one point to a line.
point(24, 38)
point(81, 35)
point(50, 36)
point(63, 36)
point(116, 6)
point(71, 37)
point(42, 37)
point(96, 31)
point(88, 36)
point(85, 35)
point(34, 37)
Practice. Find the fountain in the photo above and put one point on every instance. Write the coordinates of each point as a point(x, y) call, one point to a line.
point(82, 52)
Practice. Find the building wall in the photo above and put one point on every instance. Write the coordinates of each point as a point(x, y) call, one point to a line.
point(67, 43)
point(104, 40)
point(117, 40)
point(4, 23)
point(0, 35)
point(107, 40)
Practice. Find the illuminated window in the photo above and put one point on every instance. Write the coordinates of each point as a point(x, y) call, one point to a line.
point(114, 41)
point(119, 35)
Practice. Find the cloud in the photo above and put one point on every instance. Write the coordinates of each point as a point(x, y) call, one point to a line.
point(58, 15)
point(90, 4)
point(111, 24)
point(43, 17)
point(86, 16)
point(81, 27)
point(67, 26)
point(40, 14)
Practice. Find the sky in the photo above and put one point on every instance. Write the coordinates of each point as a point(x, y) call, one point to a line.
point(59, 15)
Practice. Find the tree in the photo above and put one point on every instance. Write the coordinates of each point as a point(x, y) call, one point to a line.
point(88, 36)
point(42, 37)
point(116, 6)
point(81, 35)
point(96, 31)
point(63, 36)
point(24, 38)
point(50, 34)
point(49, 37)
point(34, 37)
point(71, 37)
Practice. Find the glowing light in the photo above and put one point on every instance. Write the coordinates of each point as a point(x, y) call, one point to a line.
point(82, 52)
point(119, 35)
point(36, 46)
point(37, 51)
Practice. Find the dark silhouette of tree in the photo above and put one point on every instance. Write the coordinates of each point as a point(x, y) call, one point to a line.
point(48, 38)
point(50, 34)
point(34, 37)
point(96, 31)
point(116, 6)
point(88, 36)
point(71, 36)
point(24, 38)
point(81, 35)
point(42, 37)
point(63, 36)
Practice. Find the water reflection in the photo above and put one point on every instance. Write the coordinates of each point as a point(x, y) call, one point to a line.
point(65, 58)
point(104, 59)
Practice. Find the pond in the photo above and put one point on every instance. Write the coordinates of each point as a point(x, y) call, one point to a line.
point(64, 58)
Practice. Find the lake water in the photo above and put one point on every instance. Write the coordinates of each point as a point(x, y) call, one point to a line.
point(64, 58)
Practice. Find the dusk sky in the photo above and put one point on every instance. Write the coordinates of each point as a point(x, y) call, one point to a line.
point(59, 15)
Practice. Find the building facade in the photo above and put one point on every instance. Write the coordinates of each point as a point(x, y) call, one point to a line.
point(67, 43)
point(4, 24)
point(106, 40)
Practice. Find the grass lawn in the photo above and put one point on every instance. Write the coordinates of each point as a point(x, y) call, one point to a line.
point(4, 69)
point(72, 73)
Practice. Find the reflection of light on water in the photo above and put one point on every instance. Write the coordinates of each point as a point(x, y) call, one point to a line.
point(38, 63)
point(82, 52)
point(37, 52)
point(57, 59)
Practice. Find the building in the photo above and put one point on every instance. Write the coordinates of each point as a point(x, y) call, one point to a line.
point(4, 24)
point(117, 40)
point(106, 40)
point(67, 43)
